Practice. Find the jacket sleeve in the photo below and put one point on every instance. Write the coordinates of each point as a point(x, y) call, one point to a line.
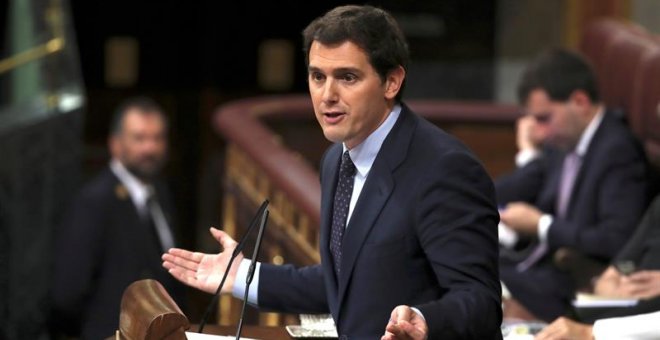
point(457, 227)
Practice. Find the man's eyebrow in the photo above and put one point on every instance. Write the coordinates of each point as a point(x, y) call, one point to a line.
point(341, 70)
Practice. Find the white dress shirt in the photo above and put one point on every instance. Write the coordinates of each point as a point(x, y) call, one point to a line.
point(140, 193)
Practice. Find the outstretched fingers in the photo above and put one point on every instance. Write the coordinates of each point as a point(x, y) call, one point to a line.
point(224, 239)
point(183, 258)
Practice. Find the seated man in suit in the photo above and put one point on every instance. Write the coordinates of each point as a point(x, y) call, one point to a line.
point(408, 218)
point(641, 255)
point(117, 227)
point(583, 186)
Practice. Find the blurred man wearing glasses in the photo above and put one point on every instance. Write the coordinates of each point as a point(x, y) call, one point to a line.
point(581, 183)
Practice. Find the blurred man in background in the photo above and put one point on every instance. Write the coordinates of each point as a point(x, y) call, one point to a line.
point(117, 227)
point(581, 183)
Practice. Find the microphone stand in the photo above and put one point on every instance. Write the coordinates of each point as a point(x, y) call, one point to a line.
point(250, 273)
point(237, 250)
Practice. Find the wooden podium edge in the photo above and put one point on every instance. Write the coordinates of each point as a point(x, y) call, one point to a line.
point(148, 312)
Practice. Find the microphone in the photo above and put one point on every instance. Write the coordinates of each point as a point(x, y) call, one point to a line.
point(239, 248)
point(251, 269)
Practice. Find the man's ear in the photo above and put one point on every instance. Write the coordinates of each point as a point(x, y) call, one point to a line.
point(113, 146)
point(581, 100)
point(394, 81)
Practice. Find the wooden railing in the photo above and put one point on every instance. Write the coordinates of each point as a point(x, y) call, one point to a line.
point(260, 163)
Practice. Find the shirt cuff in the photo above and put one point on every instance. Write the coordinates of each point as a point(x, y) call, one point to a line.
point(544, 227)
point(507, 236)
point(418, 313)
point(526, 156)
point(240, 283)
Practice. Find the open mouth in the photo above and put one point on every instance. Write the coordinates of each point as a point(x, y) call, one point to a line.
point(333, 114)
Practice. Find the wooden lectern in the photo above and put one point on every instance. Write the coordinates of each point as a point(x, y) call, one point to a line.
point(149, 313)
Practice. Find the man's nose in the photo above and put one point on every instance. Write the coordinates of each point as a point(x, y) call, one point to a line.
point(153, 145)
point(330, 91)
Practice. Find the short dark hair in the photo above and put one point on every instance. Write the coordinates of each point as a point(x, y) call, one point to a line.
point(142, 104)
point(372, 29)
point(559, 72)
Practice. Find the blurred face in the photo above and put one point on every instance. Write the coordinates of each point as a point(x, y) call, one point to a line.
point(559, 123)
point(141, 145)
point(350, 99)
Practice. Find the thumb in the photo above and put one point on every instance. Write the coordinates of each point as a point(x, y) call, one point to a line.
point(223, 238)
point(400, 313)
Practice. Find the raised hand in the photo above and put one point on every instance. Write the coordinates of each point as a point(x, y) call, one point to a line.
point(204, 271)
point(529, 134)
point(405, 323)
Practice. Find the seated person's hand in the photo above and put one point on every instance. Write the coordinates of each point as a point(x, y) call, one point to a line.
point(564, 328)
point(643, 284)
point(529, 135)
point(521, 217)
point(608, 283)
point(204, 271)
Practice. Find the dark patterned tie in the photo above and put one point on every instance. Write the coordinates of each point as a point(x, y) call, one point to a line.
point(343, 194)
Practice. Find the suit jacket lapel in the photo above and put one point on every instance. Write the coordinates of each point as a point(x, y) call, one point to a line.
point(375, 193)
point(587, 161)
point(328, 181)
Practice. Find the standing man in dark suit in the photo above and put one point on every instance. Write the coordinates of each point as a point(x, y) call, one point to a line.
point(117, 227)
point(408, 219)
point(584, 188)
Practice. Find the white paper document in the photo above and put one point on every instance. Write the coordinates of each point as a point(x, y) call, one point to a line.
point(591, 301)
point(200, 336)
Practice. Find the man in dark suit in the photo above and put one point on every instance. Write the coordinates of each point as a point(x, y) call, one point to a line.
point(408, 232)
point(585, 189)
point(117, 227)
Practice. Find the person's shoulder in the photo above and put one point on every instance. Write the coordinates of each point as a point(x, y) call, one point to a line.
point(430, 137)
point(615, 136)
point(616, 128)
point(102, 187)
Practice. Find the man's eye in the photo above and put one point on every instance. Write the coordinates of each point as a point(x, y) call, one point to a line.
point(350, 77)
point(316, 76)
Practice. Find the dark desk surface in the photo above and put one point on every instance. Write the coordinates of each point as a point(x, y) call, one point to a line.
point(255, 332)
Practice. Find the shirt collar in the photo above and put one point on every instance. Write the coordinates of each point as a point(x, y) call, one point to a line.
point(364, 154)
point(588, 133)
point(138, 191)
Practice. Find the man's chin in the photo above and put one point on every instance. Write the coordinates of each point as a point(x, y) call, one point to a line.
point(145, 174)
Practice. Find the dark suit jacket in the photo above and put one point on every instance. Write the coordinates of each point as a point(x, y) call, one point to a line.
point(643, 248)
point(608, 198)
point(102, 247)
point(423, 233)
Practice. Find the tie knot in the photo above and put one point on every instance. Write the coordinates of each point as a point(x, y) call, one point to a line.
point(347, 165)
point(151, 194)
